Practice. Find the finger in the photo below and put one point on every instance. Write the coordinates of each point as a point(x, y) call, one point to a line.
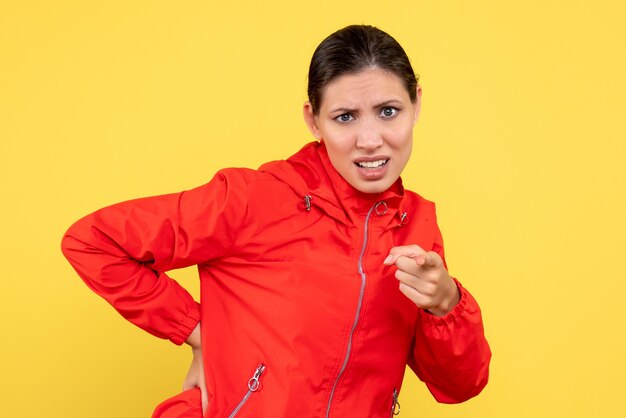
point(413, 267)
point(205, 399)
point(411, 251)
point(416, 297)
point(430, 260)
point(424, 287)
point(408, 265)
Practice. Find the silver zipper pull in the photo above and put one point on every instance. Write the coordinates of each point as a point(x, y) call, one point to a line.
point(395, 407)
point(254, 383)
point(380, 208)
point(307, 203)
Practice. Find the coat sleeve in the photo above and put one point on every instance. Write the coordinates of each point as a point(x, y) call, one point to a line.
point(123, 251)
point(450, 353)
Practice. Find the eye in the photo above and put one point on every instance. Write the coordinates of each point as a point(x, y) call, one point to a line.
point(343, 118)
point(388, 112)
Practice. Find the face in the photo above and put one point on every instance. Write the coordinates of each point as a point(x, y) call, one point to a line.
point(366, 121)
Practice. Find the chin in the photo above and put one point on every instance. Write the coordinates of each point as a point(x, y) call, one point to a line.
point(371, 188)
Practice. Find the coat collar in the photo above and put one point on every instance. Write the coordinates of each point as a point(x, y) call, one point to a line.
point(309, 172)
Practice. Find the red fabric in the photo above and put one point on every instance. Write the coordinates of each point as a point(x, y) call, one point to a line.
point(280, 286)
point(186, 404)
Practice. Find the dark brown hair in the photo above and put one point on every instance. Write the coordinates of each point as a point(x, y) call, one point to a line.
point(353, 49)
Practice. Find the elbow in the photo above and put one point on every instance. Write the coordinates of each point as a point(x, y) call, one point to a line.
point(67, 244)
point(70, 244)
point(76, 244)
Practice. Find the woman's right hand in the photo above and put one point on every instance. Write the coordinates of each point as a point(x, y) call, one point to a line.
point(195, 375)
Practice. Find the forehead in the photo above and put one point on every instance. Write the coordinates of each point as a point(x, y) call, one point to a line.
point(372, 85)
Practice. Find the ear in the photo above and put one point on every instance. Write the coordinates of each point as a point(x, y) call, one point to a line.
point(418, 103)
point(311, 120)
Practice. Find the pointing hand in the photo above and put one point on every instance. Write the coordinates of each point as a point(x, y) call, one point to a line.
point(424, 279)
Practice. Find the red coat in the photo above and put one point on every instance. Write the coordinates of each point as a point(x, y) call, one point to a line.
point(300, 318)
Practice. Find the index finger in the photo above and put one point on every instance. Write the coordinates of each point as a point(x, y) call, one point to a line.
point(411, 251)
point(429, 260)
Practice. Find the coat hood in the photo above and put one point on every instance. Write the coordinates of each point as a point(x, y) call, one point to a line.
point(311, 175)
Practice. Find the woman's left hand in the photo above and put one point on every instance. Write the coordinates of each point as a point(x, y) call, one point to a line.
point(195, 375)
point(424, 279)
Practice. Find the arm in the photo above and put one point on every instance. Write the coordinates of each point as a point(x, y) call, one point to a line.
point(123, 251)
point(450, 353)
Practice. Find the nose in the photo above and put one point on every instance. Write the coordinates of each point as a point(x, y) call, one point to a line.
point(369, 136)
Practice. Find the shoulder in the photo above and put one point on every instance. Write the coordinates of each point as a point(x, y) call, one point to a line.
point(237, 175)
point(248, 179)
point(239, 180)
point(248, 190)
point(244, 175)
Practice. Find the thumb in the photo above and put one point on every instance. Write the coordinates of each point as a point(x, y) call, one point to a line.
point(205, 398)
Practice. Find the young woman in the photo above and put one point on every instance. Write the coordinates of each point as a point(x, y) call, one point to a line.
point(321, 276)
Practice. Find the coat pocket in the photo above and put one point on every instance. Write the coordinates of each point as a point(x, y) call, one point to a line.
point(187, 404)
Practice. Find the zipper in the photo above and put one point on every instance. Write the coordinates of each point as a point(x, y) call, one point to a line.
point(254, 384)
point(395, 405)
point(358, 311)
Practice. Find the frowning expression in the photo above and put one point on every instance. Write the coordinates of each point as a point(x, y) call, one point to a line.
point(366, 121)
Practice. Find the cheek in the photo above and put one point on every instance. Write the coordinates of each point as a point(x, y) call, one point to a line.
point(401, 137)
point(338, 141)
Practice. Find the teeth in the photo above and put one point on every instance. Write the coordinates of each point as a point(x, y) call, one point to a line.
point(371, 164)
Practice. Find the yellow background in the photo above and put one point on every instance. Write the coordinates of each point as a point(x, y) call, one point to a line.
point(521, 142)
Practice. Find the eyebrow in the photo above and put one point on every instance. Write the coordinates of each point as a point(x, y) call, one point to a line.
point(376, 106)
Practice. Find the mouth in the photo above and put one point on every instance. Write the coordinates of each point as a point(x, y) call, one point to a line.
point(372, 168)
point(372, 165)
